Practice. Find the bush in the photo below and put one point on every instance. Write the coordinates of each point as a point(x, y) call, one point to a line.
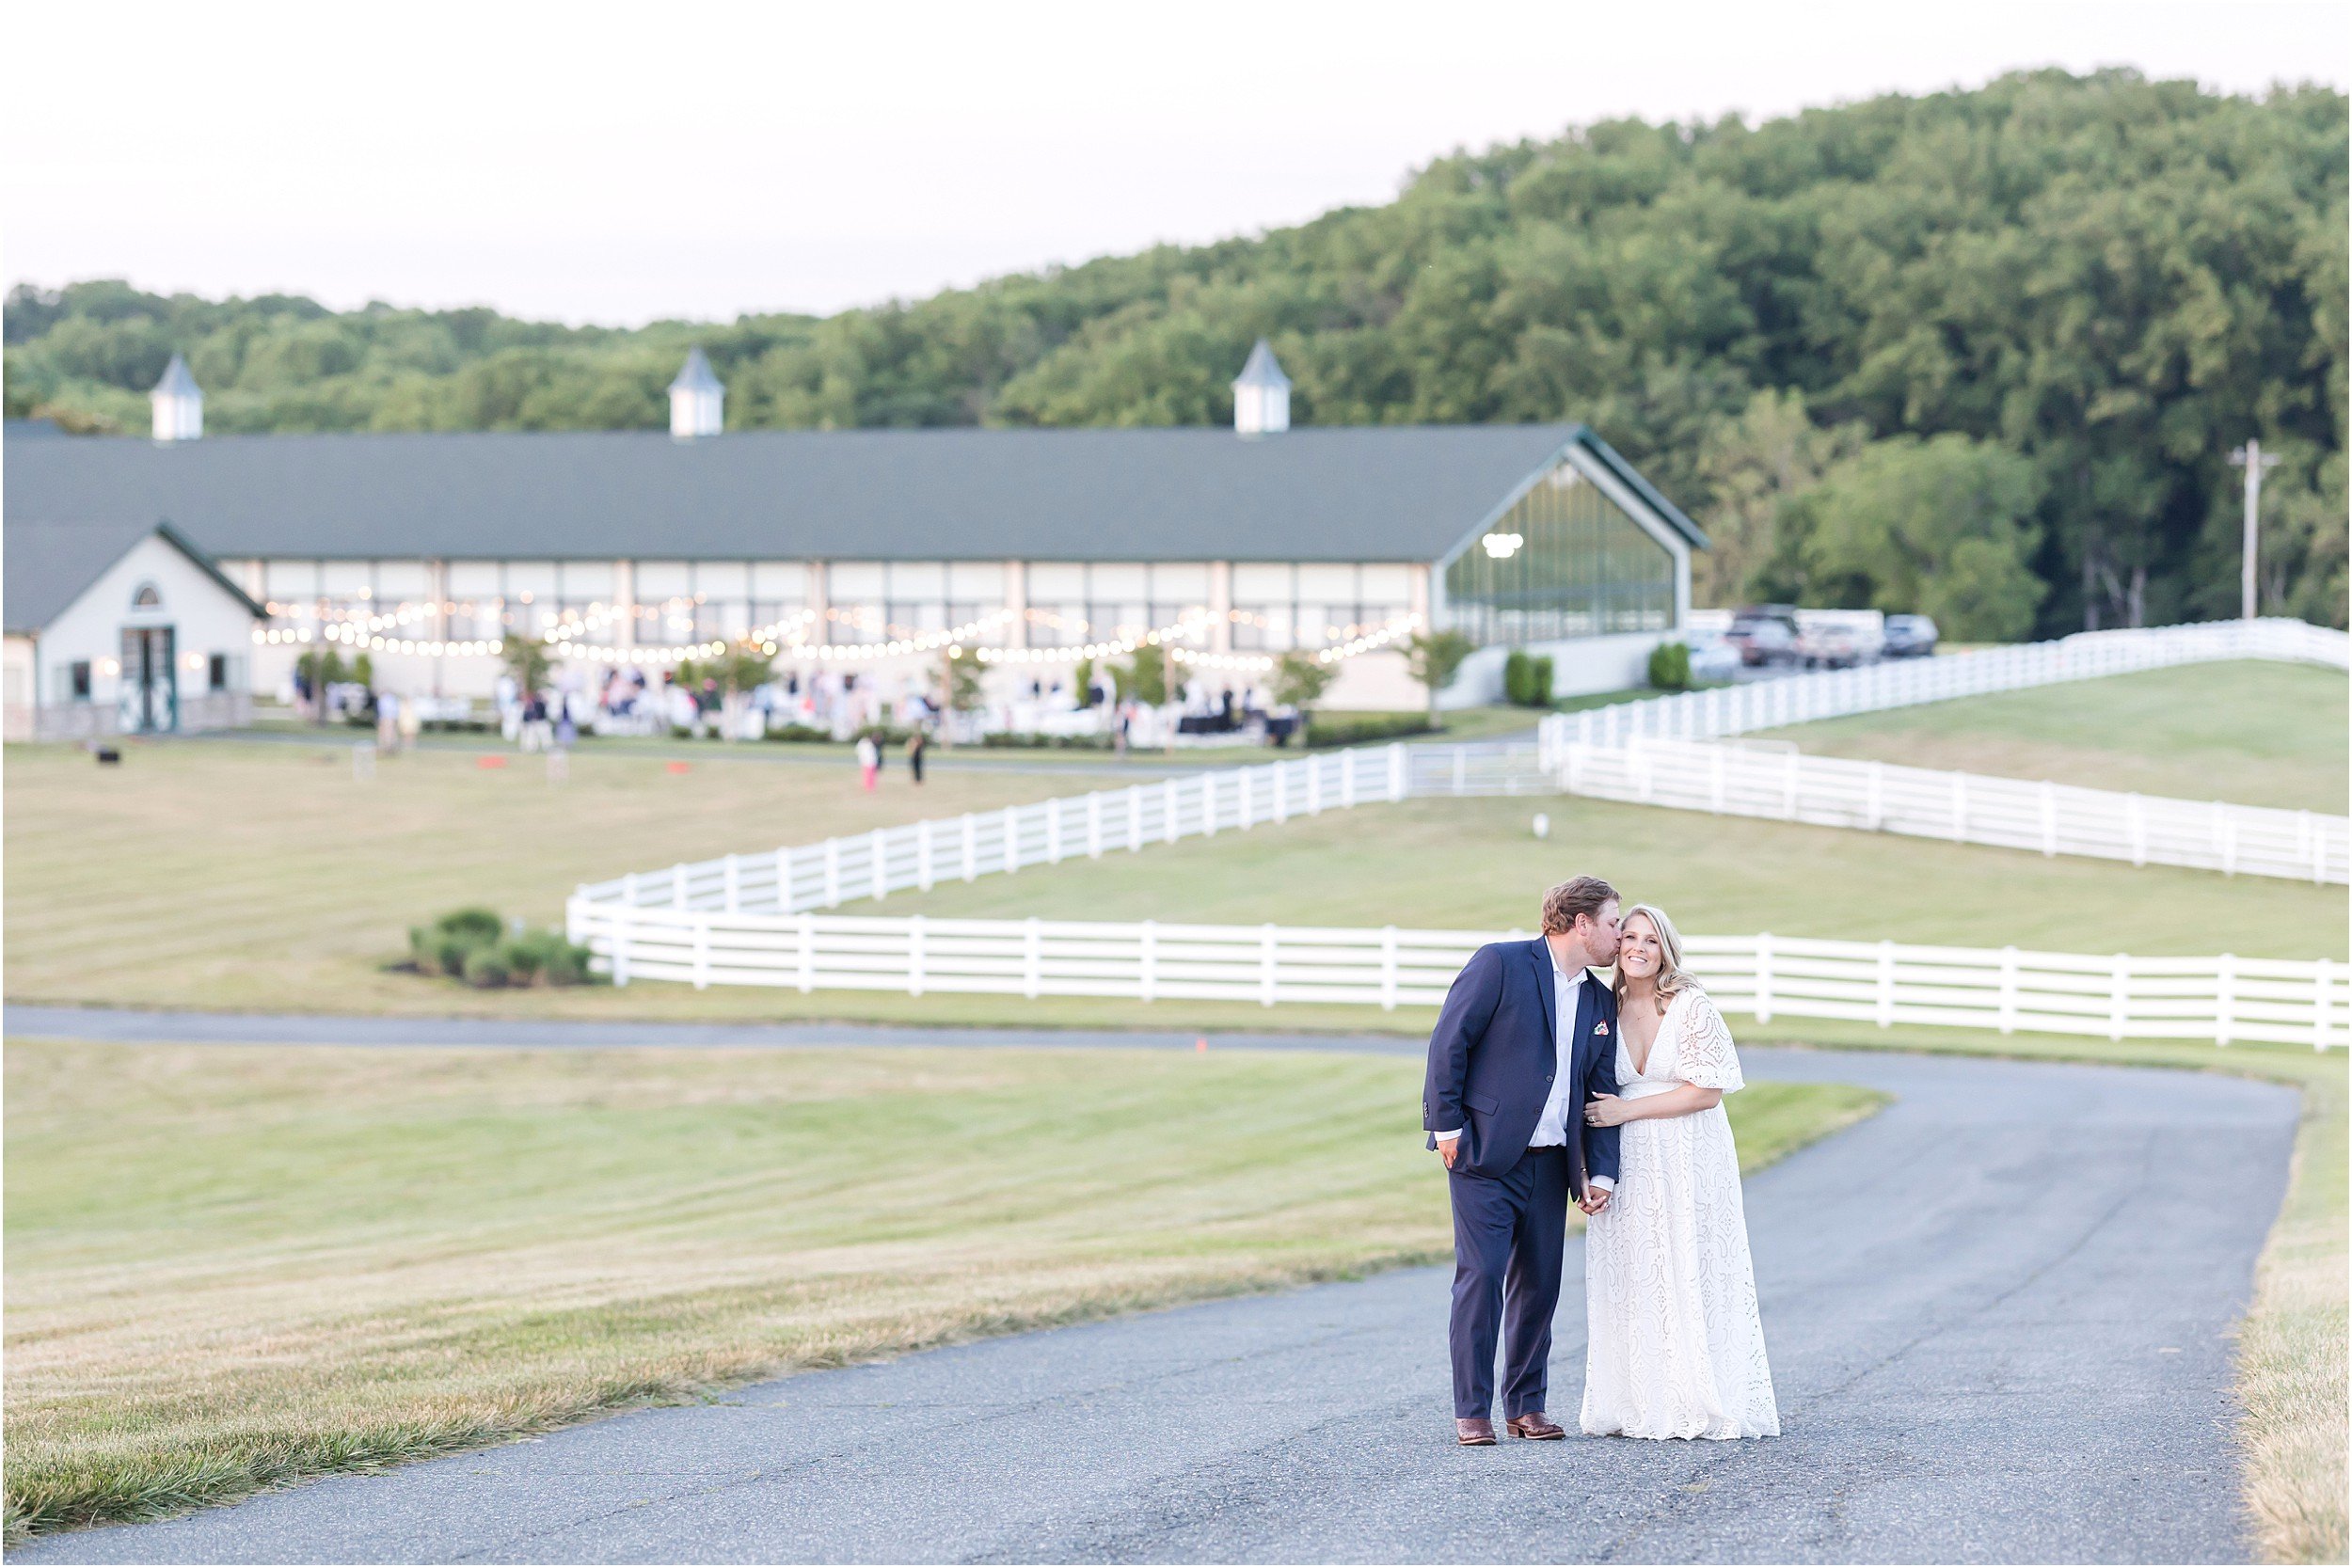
point(1527, 679)
point(471, 944)
point(1670, 667)
point(1364, 729)
point(1029, 741)
point(485, 967)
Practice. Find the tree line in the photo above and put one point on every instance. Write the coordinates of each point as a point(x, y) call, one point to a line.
point(1980, 353)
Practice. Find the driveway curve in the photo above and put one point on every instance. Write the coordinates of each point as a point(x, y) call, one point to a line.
point(2000, 1314)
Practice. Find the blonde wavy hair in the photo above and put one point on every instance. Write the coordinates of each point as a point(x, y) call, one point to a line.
point(1673, 979)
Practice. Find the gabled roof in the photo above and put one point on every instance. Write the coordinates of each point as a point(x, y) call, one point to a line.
point(177, 382)
point(1261, 368)
point(47, 566)
point(1365, 493)
point(696, 375)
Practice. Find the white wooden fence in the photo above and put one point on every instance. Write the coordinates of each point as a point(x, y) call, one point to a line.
point(2225, 1000)
point(1751, 779)
point(921, 855)
point(1568, 754)
point(1906, 683)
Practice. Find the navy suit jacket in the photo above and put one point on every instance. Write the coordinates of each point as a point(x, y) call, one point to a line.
point(1494, 1053)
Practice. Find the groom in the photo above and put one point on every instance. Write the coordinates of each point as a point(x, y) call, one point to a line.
point(1527, 1036)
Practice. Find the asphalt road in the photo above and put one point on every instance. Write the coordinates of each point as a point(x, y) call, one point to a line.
point(1999, 1315)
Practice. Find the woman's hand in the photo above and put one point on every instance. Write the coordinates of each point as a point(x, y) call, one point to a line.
point(1606, 1110)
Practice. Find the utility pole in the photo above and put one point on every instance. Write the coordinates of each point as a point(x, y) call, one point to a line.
point(2255, 462)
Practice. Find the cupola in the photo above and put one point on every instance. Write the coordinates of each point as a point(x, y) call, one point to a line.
point(698, 401)
point(1262, 395)
point(179, 403)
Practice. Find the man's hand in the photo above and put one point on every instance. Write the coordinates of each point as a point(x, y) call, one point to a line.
point(1448, 1149)
point(1594, 1200)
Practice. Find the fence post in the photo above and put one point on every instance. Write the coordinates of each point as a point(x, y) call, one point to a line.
point(1764, 979)
point(702, 953)
point(2118, 997)
point(923, 853)
point(1053, 832)
point(1146, 972)
point(1267, 964)
point(2225, 1000)
point(1789, 785)
point(878, 868)
point(832, 873)
point(1134, 818)
point(628, 889)
point(1013, 840)
point(2049, 820)
point(2009, 991)
point(808, 954)
point(915, 956)
point(1886, 985)
point(1032, 957)
point(732, 867)
point(971, 847)
point(1388, 969)
point(2225, 838)
point(677, 886)
point(620, 945)
point(1960, 808)
point(1094, 824)
point(1399, 780)
point(1168, 797)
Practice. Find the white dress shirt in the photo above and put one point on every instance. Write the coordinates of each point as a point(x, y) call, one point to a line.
point(1551, 1129)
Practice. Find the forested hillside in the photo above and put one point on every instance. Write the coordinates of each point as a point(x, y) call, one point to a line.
point(1981, 352)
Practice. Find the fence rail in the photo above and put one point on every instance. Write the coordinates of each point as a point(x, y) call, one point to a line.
point(1732, 779)
point(1906, 683)
point(2225, 1000)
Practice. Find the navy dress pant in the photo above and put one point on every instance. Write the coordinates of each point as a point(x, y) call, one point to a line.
point(1509, 1234)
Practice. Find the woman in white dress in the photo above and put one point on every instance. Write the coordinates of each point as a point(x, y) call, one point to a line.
point(1676, 1347)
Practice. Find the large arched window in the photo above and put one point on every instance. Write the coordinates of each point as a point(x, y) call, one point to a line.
point(147, 597)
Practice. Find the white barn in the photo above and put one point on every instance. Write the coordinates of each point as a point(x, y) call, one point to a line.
point(872, 550)
point(121, 629)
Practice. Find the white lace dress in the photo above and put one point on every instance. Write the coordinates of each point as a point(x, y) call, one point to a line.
point(1676, 1347)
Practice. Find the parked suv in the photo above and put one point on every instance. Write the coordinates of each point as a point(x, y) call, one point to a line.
point(1766, 634)
point(1909, 637)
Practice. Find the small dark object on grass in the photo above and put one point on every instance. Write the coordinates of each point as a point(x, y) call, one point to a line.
point(108, 756)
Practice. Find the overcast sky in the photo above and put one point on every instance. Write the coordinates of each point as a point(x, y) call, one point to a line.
point(623, 163)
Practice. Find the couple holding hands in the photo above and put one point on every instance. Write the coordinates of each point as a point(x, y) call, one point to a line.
point(1547, 1085)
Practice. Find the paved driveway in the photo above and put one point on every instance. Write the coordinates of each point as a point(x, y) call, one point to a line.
point(1999, 1315)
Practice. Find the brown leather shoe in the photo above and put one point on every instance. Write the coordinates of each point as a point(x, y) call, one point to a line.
point(1534, 1424)
point(1476, 1432)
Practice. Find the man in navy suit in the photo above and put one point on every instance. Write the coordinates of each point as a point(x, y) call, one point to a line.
point(1527, 1036)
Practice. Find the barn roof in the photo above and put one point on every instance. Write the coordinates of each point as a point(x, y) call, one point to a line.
point(45, 566)
point(1376, 493)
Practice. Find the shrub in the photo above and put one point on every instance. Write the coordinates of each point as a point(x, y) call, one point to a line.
point(1527, 679)
point(442, 947)
point(545, 956)
point(487, 967)
point(1670, 667)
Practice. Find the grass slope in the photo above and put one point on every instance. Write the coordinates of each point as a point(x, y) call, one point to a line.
point(2256, 733)
point(227, 1267)
point(1475, 864)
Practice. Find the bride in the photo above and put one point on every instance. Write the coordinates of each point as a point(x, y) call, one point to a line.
point(1676, 1347)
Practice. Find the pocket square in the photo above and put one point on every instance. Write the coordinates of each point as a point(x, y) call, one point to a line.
point(1601, 1028)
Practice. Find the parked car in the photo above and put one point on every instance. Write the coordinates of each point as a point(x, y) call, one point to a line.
point(1909, 637)
point(1829, 647)
point(1713, 660)
point(1764, 635)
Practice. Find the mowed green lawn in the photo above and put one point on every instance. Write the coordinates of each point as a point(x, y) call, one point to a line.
point(1476, 865)
point(228, 1266)
point(2256, 733)
point(266, 876)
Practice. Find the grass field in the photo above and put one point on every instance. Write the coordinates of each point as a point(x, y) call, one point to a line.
point(2255, 733)
point(264, 877)
point(232, 1266)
